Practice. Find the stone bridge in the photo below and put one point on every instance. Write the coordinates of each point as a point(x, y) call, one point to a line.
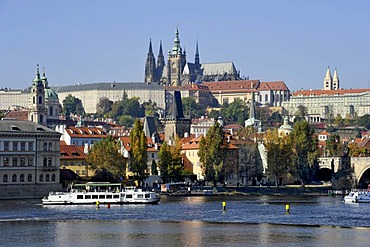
point(359, 165)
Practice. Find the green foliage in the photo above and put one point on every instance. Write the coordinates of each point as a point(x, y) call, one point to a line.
point(279, 154)
point(126, 120)
point(364, 121)
point(339, 120)
point(72, 105)
point(214, 114)
point(212, 154)
point(138, 154)
point(105, 156)
point(276, 117)
point(301, 113)
point(127, 106)
point(104, 107)
point(333, 146)
point(235, 112)
point(355, 151)
point(194, 107)
point(154, 168)
point(150, 109)
point(170, 162)
point(305, 151)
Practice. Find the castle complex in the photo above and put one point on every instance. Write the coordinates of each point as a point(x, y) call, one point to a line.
point(179, 71)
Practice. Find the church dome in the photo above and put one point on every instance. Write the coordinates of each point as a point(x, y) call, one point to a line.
point(50, 94)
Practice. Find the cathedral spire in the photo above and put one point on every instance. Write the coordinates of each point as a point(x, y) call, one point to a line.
point(150, 65)
point(176, 46)
point(44, 79)
point(328, 74)
point(150, 47)
point(197, 54)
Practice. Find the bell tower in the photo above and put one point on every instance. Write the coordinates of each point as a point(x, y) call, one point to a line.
point(37, 111)
point(176, 62)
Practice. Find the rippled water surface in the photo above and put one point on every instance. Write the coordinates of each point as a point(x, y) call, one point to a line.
point(190, 221)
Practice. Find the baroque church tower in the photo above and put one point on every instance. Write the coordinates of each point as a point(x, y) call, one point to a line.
point(37, 111)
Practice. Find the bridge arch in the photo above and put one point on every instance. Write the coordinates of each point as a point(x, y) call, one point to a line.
point(363, 180)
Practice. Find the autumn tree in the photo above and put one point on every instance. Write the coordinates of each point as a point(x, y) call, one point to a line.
point(212, 154)
point(105, 156)
point(170, 161)
point(305, 151)
point(138, 154)
point(279, 154)
point(301, 113)
point(72, 105)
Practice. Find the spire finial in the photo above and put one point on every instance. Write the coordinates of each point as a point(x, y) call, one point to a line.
point(37, 77)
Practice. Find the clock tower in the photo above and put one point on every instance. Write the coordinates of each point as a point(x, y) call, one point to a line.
point(176, 62)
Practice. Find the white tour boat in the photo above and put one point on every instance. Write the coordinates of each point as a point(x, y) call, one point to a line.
point(358, 196)
point(104, 193)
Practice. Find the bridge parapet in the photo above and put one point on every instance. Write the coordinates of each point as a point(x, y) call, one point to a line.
point(328, 162)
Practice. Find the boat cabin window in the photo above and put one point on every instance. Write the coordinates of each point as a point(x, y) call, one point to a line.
point(147, 195)
point(140, 196)
point(109, 196)
point(88, 197)
point(80, 197)
point(129, 196)
point(115, 196)
point(94, 196)
point(101, 196)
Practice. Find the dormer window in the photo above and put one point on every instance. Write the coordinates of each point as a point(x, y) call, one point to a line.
point(15, 128)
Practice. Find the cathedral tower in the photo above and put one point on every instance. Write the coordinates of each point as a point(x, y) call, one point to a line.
point(37, 111)
point(160, 63)
point(176, 62)
point(150, 69)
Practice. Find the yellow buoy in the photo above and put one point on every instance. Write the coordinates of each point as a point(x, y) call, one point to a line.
point(287, 208)
point(224, 206)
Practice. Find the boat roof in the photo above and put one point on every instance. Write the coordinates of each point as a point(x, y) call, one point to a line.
point(97, 184)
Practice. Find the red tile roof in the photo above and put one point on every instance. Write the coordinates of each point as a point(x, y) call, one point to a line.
point(322, 92)
point(72, 152)
point(19, 115)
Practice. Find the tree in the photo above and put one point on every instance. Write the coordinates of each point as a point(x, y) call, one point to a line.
point(301, 113)
point(104, 107)
point(105, 156)
point(125, 120)
point(338, 120)
point(212, 154)
point(305, 151)
point(165, 160)
point(276, 118)
point(190, 105)
point(170, 161)
point(333, 146)
point(139, 155)
point(72, 105)
point(279, 158)
point(150, 108)
point(235, 112)
point(364, 121)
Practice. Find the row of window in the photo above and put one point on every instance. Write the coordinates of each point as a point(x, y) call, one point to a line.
point(17, 146)
point(17, 161)
point(29, 178)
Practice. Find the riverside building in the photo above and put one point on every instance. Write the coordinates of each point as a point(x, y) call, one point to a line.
point(29, 159)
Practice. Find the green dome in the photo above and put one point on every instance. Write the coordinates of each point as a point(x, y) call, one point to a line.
point(50, 94)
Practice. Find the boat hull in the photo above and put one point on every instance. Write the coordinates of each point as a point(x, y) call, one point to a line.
point(358, 197)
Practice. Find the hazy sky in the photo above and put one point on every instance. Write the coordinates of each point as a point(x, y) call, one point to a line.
point(102, 41)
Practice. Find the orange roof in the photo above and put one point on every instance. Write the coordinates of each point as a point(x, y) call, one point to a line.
point(19, 115)
point(272, 85)
point(72, 152)
point(125, 141)
point(322, 92)
point(86, 132)
point(242, 85)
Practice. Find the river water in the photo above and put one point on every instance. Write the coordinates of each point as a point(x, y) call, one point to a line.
point(189, 221)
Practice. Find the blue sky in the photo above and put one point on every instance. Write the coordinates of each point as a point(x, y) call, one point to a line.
point(103, 41)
